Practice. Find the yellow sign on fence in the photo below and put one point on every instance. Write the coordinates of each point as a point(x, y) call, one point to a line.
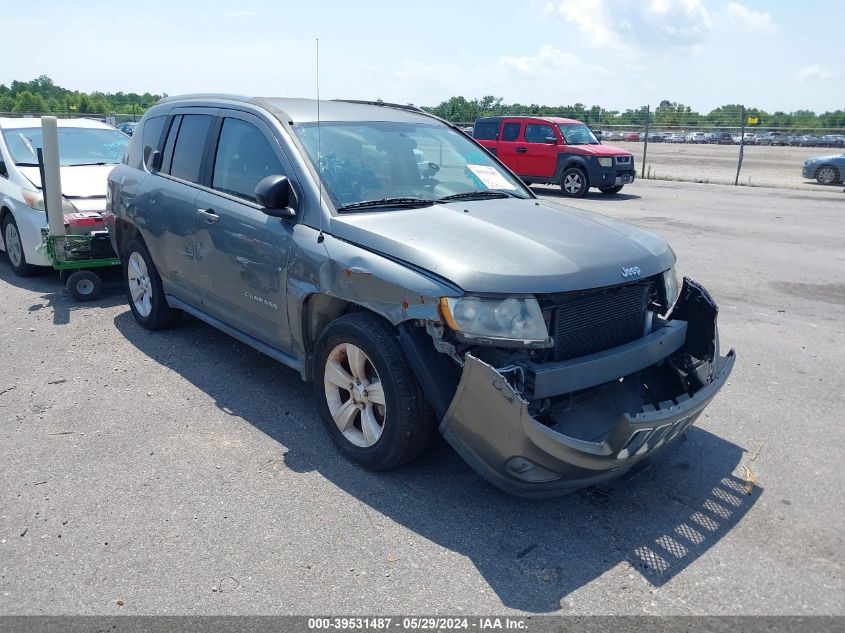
point(753, 120)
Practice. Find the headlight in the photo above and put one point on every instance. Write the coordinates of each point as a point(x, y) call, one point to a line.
point(35, 200)
point(511, 319)
point(670, 285)
point(606, 161)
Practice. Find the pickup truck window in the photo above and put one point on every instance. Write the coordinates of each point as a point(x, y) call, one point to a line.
point(577, 134)
point(537, 133)
point(418, 163)
point(511, 131)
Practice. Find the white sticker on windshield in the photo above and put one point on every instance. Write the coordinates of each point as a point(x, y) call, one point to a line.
point(490, 177)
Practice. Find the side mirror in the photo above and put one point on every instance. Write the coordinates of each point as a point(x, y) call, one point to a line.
point(275, 195)
point(551, 140)
point(3, 171)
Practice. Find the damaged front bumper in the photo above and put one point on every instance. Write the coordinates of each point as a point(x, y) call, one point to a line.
point(603, 413)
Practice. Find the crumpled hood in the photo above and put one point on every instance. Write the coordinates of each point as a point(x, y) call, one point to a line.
point(601, 150)
point(510, 246)
point(82, 181)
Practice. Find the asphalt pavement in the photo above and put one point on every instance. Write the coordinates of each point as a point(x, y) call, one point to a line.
point(181, 472)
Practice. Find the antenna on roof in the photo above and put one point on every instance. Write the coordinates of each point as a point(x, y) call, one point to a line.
point(320, 237)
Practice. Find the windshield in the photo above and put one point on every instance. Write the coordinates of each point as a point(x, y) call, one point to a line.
point(77, 145)
point(577, 134)
point(371, 164)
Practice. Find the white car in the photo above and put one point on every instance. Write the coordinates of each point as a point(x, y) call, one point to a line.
point(696, 137)
point(88, 151)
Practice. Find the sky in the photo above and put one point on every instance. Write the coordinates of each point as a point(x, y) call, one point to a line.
point(773, 55)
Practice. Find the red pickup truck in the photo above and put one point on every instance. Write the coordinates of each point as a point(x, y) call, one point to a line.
point(556, 151)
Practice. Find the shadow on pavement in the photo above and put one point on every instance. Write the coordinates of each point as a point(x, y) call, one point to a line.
point(593, 194)
point(531, 553)
point(55, 297)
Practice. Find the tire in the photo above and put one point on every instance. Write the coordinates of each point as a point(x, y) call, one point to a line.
point(827, 175)
point(379, 433)
point(14, 248)
point(609, 191)
point(574, 183)
point(84, 285)
point(144, 290)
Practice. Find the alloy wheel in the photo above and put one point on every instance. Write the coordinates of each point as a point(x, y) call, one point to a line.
point(14, 249)
point(140, 286)
point(572, 183)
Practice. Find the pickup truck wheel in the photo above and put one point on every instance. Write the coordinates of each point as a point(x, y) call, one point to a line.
point(827, 175)
point(14, 248)
point(574, 183)
point(144, 289)
point(609, 191)
point(368, 396)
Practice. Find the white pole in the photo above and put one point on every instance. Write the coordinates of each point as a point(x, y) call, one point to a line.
point(52, 176)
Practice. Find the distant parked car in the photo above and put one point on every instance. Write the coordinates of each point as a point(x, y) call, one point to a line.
point(721, 138)
point(696, 137)
point(675, 138)
point(773, 138)
point(127, 128)
point(611, 136)
point(832, 140)
point(804, 140)
point(656, 137)
point(827, 170)
point(631, 136)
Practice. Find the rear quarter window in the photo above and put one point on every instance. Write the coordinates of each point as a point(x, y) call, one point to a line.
point(150, 136)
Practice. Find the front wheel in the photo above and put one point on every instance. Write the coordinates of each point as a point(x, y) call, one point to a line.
point(574, 183)
point(368, 396)
point(827, 175)
point(144, 289)
point(14, 248)
point(609, 191)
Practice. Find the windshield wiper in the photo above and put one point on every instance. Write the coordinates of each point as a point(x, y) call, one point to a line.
point(27, 164)
point(479, 195)
point(386, 203)
point(87, 164)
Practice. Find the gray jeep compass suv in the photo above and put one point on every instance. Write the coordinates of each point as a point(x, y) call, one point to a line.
point(418, 283)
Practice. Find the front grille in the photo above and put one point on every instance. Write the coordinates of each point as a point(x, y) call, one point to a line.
point(591, 321)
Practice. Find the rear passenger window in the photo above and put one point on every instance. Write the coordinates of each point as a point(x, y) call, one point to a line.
point(538, 133)
point(151, 136)
point(244, 157)
point(511, 131)
point(486, 130)
point(190, 142)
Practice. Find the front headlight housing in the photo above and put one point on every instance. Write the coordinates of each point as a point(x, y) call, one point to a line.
point(671, 287)
point(35, 200)
point(517, 320)
point(606, 161)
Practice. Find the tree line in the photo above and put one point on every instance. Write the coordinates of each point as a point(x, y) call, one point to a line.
point(668, 114)
point(41, 95)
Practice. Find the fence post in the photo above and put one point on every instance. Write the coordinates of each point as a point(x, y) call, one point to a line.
point(645, 139)
point(741, 144)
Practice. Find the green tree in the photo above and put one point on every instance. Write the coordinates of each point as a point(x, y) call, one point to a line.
point(29, 103)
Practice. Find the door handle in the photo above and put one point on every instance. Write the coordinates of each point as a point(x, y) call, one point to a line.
point(210, 216)
point(521, 150)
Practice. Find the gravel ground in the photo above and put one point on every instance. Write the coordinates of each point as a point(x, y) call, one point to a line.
point(180, 472)
point(761, 165)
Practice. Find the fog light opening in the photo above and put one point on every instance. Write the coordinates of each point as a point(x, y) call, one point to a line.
point(526, 470)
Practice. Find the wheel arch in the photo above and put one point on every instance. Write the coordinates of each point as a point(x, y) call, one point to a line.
point(124, 233)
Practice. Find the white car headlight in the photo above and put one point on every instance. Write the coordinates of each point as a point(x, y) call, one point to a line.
point(670, 284)
point(606, 161)
point(510, 319)
point(35, 200)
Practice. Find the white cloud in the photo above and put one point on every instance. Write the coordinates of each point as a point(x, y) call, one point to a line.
point(814, 71)
point(549, 57)
point(753, 21)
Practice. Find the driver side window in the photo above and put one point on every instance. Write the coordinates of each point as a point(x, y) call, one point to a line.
point(244, 157)
point(538, 133)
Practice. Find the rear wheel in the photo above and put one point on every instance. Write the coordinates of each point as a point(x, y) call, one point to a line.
point(368, 396)
point(574, 183)
point(609, 191)
point(827, 175)
point(144, 289)
point(14, 248)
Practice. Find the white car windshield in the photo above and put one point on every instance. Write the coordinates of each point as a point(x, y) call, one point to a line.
point(77, 145)
point(578, 134)
point(384, 164)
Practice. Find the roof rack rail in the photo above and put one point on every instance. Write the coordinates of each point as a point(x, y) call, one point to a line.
point(399, 106)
